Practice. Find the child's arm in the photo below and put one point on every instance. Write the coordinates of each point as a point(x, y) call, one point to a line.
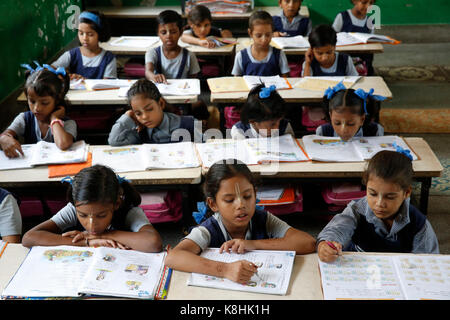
point(125, 130)
point(63, 139)
point(150, 75)
point(185, 257)
point(197, 41)
point(10, 145)
point(309, 56)
point(327, 253)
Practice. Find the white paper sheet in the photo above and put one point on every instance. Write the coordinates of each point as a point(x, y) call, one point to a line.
point(135, 42)
point(291, 42)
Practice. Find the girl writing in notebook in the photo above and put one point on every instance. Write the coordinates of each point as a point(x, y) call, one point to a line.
point(90, 61)
point(384, 220)
point(103, 211)
point(45, 89)
point(236, 226)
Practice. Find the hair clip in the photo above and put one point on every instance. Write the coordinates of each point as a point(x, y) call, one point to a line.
point(401, 150)
point(331, 91)
point(67, 179)
point(90, 16)
point(58, 71)
point(266, 91)
point(199, 216)
point(122, 179)
point(366, 95)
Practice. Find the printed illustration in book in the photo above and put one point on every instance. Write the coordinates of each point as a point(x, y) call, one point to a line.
point(273, 276)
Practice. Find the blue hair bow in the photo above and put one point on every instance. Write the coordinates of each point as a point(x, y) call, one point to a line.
point(331, 91)
point(58, 71)
point(122, 179)
point(90, 16)
point(366, 95)
point(67, 179)
point(27, 66)
point(199, 216)
point(265, 92)
point(401, 150)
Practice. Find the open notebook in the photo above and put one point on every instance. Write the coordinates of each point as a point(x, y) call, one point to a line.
point(246, 83)
point(351, 38)
point(273, 276)
point(323, 83)
point(69, 271)
point(44, 153)
point(399, 276)
point(331, 149)
point(135, 41)
point(173, 87)
point(107, 84)
point(291, 42)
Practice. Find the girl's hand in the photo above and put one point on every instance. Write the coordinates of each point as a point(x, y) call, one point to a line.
point(279, 34)
point(76, 235)
point(159, 78)
point(98, 242)
point(139, 125)
point(58, 113)
point(236, 246)
point(240, 271)
point(11, 147)
point(309, 56)
point(207, 43)
point(74, 76)
point(327, 253)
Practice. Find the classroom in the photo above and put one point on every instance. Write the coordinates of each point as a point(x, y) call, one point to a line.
point(334, 113)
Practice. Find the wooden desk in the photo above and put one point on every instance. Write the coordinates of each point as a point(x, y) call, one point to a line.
point(272, 10)
point(10, 261)
point(198, 50)
point(357, 48)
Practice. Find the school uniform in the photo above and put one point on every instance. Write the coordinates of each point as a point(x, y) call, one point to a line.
point(212, 231)
point(342, 66)
point(180, 67)
point(10, 218)
point(25, 124)
point(242, 131)
point(101, 66)
point(372, 129)
point(299, 26)
point(275, 63)
point(358, 229)
point(124, 130)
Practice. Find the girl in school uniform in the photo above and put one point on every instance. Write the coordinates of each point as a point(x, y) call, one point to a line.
point(45, 89)
point(384, 220)
point(290, 22)
point(356, 20)
point(90, 61)
point(235, 226)
point(262, 115)
point(260, 58)
point(147, 122)
point(10, 218)
point(103, 211)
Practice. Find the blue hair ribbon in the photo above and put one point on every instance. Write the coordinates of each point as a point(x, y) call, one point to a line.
point(58, 71)
point(67, 179)
point(90, 16)
point(331, 91)
point(266, 91)
point(366, 95)
point(401, 150)
point(199, 216)
point(122, 179)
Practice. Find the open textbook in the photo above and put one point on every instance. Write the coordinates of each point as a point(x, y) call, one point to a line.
point(323, 83)
point(291, 42)
point(143, 157)
point(107, 84)
point(173, 87)
point(44, 153)
point(251, 151)
point(69, 271)
point(331, 149)
point(135, 41)
point(399, 276)
point(273, 276)
point(350, 38)
point(246, 83)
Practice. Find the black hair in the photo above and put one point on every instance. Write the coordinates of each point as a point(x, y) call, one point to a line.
point(347, 99)
point(322, 35)
point(198, 14)
point(260, 17)
point(262, 109)
point(144, 87)
point(104, 30)
point(46, 83)
point(100, 184)
point(391, 166)
point(169, 16)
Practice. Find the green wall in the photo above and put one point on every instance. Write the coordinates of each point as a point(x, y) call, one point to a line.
point(31, 30)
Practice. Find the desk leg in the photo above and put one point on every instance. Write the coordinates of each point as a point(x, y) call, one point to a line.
point(221, 107)
point(424, 195)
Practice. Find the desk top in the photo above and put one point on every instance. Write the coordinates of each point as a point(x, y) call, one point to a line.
point(152, 12)
point(108, 97)
point(39, 176)
point(297, 95)
point(356, 48)
point(198, 50)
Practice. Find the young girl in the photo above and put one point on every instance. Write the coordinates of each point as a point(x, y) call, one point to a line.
point(103, 211)
point(290, 23)
point(356, 20)
point(10, 218)
point(147, 122)
point(351, 113)
point(236, 226)
point(90, 61)
point(384, 220)
point(260, 58)
point(262, 115)
point(45, 89)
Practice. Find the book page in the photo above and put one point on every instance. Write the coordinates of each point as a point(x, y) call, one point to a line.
point(227, 84)
point(359, 277)
point(267, 81)
point(368, 37)
point(323, 83)
point(347, 38)
point(135, 42)
point(50, 272)
point(123, 273)
point(269, 192)
point(179, 87)
point(274, 149)
point(367, 147)
point(49, 153)
point(121, 159)
point(330, 149)
point(211, 152)
point(424, 277)
point(291, 42)
point(274, 271)
point(101, 84)
point(20, 162)
point(171, 155)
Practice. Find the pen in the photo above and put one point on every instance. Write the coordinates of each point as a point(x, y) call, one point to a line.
point(256, 273)
point(329, 243)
